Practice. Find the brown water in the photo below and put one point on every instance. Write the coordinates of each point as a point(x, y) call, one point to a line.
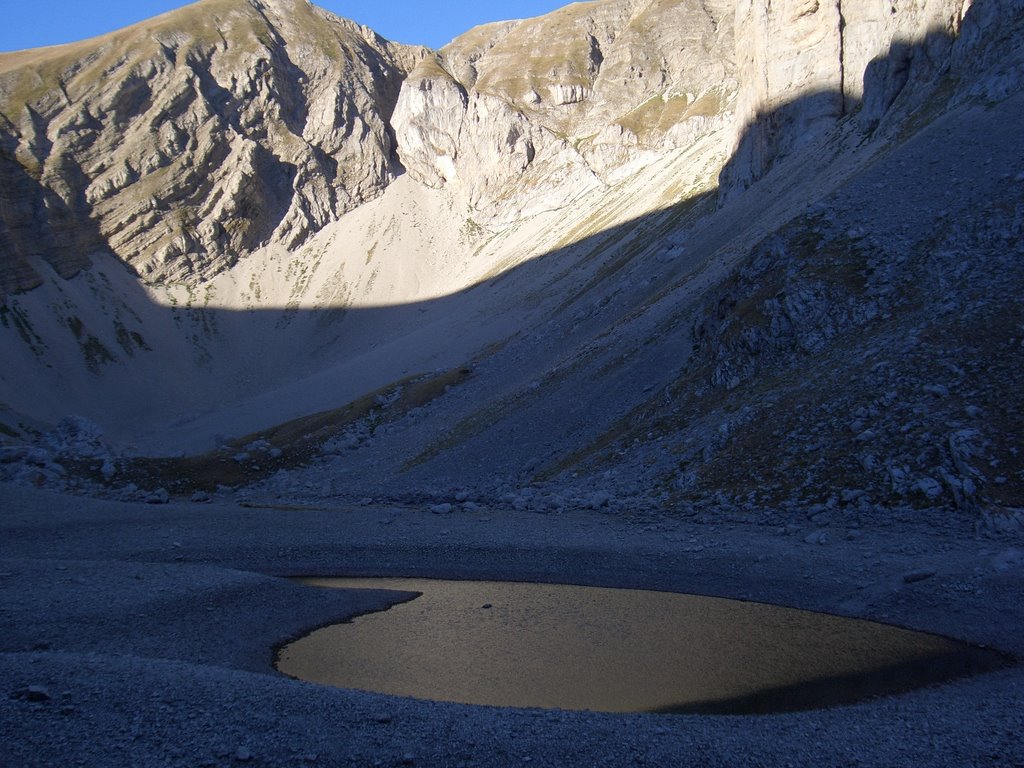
point(617, 650)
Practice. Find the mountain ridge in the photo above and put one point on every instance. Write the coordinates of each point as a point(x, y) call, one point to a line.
point(118, 142)
point(641, 313)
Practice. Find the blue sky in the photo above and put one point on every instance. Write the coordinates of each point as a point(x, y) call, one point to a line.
point(31, 23)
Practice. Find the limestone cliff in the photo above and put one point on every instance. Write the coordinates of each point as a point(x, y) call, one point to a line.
point(185, 142)
point(503, 107)
point(504, 104)
point(804, 64)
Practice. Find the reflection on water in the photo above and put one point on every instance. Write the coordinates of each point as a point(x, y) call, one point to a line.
point(617, 650)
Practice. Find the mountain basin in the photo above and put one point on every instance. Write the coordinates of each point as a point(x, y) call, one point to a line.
point(571, 647)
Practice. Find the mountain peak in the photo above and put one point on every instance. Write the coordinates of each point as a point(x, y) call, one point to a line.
point(120, 131)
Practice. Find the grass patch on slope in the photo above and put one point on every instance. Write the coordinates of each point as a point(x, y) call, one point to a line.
point(289, 445)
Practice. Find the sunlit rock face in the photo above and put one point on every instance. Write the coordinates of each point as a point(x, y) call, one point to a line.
point(804, 64)
point(184, 142)
point(625, 82)
point(629, 80)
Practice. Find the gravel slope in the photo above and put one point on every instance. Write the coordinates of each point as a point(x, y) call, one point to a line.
point(148, 634)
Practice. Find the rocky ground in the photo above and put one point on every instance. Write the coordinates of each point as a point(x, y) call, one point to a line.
point(145, 635)
point(804, 392)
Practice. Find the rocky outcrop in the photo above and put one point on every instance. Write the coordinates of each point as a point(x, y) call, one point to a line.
point(185, 142)
point(626, 80)
point(804, 64)
point(25, 239)
point(630, 80)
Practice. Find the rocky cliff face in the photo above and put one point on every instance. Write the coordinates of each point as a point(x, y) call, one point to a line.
point(805, 64)
point(502, 107)
point(835, 323)
point(186, 142)
point(631, 80)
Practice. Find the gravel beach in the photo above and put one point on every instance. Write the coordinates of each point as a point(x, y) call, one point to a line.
point(142, 635)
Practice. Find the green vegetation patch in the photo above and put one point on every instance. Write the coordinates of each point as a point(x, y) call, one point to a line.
point(128, 340)
point(657, 115)
point(298, 442)
point(14, 315)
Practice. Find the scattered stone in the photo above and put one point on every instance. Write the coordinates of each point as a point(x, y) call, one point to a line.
point(817, 537)
point(441, 509)
point(201, 497)
point(913, 577)
point(76, 436)
point(33, 693)
point(159, 496)
point(929, 487)
point(243, 755)
point(961, 449)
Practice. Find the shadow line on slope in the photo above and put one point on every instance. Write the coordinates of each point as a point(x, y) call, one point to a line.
point(590, 270)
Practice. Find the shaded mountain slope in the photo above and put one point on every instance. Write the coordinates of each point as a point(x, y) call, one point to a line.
point(794, 298)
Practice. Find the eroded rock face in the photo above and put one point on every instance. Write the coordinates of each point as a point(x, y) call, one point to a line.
point(628, 80)
point(624, 79)
point(804, 64)
point(185, 142)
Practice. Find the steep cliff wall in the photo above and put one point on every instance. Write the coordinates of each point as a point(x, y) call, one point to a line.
point(187, 141)
point(504, 108)
point(803, 65)
point(630, 80)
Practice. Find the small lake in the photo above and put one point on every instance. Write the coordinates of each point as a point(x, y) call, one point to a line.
point(617, 650)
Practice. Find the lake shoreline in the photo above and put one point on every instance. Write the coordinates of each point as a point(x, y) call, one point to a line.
point(145, 635)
